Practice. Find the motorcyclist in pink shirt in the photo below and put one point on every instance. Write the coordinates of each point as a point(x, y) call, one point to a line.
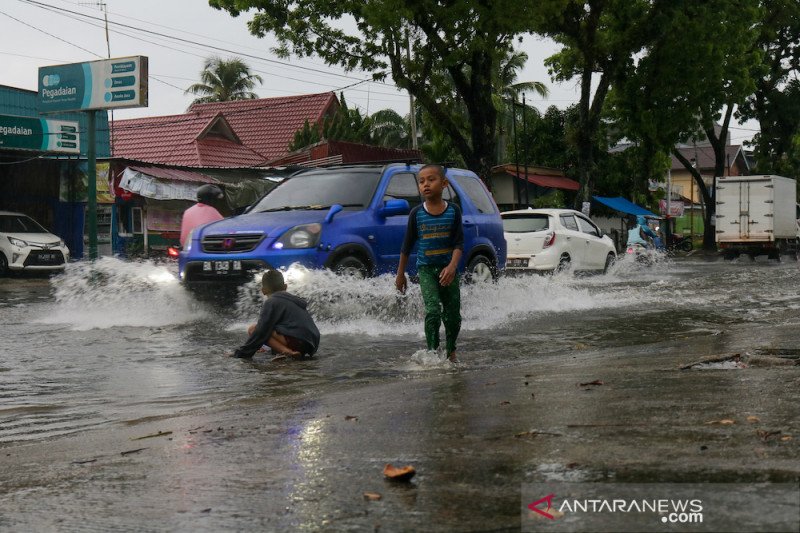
point(202, 212)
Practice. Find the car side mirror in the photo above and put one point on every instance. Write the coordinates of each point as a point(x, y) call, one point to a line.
point(394, 207)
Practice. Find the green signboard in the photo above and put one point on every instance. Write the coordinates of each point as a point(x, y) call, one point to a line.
point(105, 84)
point(39, 134)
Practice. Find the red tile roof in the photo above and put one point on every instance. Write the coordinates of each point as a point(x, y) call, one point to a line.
point(331, 152)
point(264, 126)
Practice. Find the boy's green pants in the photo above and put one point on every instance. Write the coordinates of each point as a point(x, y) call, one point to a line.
point(442, 304)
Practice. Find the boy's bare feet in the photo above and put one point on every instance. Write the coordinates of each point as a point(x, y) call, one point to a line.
point(452, 357)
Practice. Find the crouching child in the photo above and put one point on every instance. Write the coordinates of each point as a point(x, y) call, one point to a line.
point(284, 325)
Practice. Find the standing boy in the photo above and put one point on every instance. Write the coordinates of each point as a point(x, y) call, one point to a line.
point(436, 225)
point(284, 324)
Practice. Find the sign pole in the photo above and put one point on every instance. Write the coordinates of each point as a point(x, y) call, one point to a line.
point(91, 154)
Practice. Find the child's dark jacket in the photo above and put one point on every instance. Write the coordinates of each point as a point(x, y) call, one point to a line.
point(286, 314)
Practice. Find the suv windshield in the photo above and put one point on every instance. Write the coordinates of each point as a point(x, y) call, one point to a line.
point(19, 224)
point(350, 188)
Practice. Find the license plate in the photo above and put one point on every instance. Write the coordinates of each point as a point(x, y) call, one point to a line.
point(518, 263)
point(47, 257)
point(222, 267)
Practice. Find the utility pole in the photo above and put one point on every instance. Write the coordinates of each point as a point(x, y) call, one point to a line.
point(668, 232)
point(515, 181)
point(411, 96)
point(525, 163)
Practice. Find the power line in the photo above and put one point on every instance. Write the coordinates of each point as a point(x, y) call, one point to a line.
point(50, 34)
point(66, 13)
point(188, 41)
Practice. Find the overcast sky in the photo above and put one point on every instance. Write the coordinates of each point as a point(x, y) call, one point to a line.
point(40, 37)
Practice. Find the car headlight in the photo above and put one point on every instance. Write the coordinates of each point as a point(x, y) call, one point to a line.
point(18, 242)
point(302, 236)
point(189, 241)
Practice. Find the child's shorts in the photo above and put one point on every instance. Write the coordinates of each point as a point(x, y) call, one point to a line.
point(298, 345)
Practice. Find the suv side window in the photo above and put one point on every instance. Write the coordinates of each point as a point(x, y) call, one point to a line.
point(588, 227)
point(403, 186)
point(476, 192)
point(568, 221)
point(449, 195)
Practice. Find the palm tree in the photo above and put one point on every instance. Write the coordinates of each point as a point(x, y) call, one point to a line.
point(506, 91)
point(389, 129)
point(224, 80)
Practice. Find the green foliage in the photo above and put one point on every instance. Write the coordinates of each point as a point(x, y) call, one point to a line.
point(224, 80)
point(444, 53)
point(776, 101)
point(304, 137)
point(554, 200)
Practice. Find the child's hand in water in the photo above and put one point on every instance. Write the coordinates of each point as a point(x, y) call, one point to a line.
point(401, 283)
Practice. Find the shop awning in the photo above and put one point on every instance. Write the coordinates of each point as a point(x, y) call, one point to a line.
point(163, 183)
point(553, 182)
point(624, 206)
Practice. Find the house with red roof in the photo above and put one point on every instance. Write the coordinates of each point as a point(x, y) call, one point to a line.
point(159, 162)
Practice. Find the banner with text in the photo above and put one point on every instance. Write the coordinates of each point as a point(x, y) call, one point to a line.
point(39, 134)
point(105, 84)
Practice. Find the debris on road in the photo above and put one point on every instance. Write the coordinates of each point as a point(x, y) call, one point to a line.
point(403, 473)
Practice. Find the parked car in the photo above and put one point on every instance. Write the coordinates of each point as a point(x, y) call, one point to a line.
point(350, 219)
point(27, 246)
point(554, 239)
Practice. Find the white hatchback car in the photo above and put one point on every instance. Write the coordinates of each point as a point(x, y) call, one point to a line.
point(555, 239)
point(27, 246)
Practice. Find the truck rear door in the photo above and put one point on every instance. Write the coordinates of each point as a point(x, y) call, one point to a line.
point(756, 210)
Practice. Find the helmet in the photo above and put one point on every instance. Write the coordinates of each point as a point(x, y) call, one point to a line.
point(208, 193)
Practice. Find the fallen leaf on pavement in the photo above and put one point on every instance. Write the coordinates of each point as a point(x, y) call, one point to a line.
point(753, 419)
point(505, 402)
point(723, 422)
point(786, 438)
point(351, 417)
point(595, 382)
point(403, 473)
point(372, 496)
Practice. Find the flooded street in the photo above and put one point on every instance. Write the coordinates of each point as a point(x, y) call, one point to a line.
point(96, 359)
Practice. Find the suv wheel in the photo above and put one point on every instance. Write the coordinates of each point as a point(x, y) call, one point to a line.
point(352, 266)
point(481, 270)
point(3, 264)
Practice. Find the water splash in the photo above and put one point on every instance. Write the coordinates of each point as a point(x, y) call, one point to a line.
point(110, 292)
point(373, 307)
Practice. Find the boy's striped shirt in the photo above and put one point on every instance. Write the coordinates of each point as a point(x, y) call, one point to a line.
point(437, 235)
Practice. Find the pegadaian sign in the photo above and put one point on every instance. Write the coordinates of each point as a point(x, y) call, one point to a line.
point(39, 134)
point(105, 84)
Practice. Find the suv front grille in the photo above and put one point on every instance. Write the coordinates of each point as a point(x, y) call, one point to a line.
point(229, 244)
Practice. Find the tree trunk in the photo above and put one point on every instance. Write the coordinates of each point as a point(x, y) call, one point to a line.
point(709, 230)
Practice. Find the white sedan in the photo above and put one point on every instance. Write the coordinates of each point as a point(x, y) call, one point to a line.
point(555, 239)
point(27, 246)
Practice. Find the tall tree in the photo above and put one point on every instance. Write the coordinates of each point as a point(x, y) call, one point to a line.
point(224, 79)
point(429, 48)
point(776, 100)
point(684, 88)
point(598, 37)
point(507, 92)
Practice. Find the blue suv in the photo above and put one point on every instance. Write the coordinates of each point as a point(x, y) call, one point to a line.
point(350, 219)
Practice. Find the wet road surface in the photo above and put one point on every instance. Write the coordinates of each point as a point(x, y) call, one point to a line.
point(103, 355)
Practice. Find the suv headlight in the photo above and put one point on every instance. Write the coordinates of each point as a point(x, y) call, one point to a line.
point(189, 241)
point(18, 242)
point(302, 236)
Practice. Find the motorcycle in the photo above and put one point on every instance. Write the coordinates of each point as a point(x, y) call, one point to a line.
point(640, 254)
point(680, 242)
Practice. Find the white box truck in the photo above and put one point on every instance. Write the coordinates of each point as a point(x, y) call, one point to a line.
point(757, 215)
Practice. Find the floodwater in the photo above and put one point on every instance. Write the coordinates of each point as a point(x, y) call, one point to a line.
point(121, 342)
point(120, 412)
